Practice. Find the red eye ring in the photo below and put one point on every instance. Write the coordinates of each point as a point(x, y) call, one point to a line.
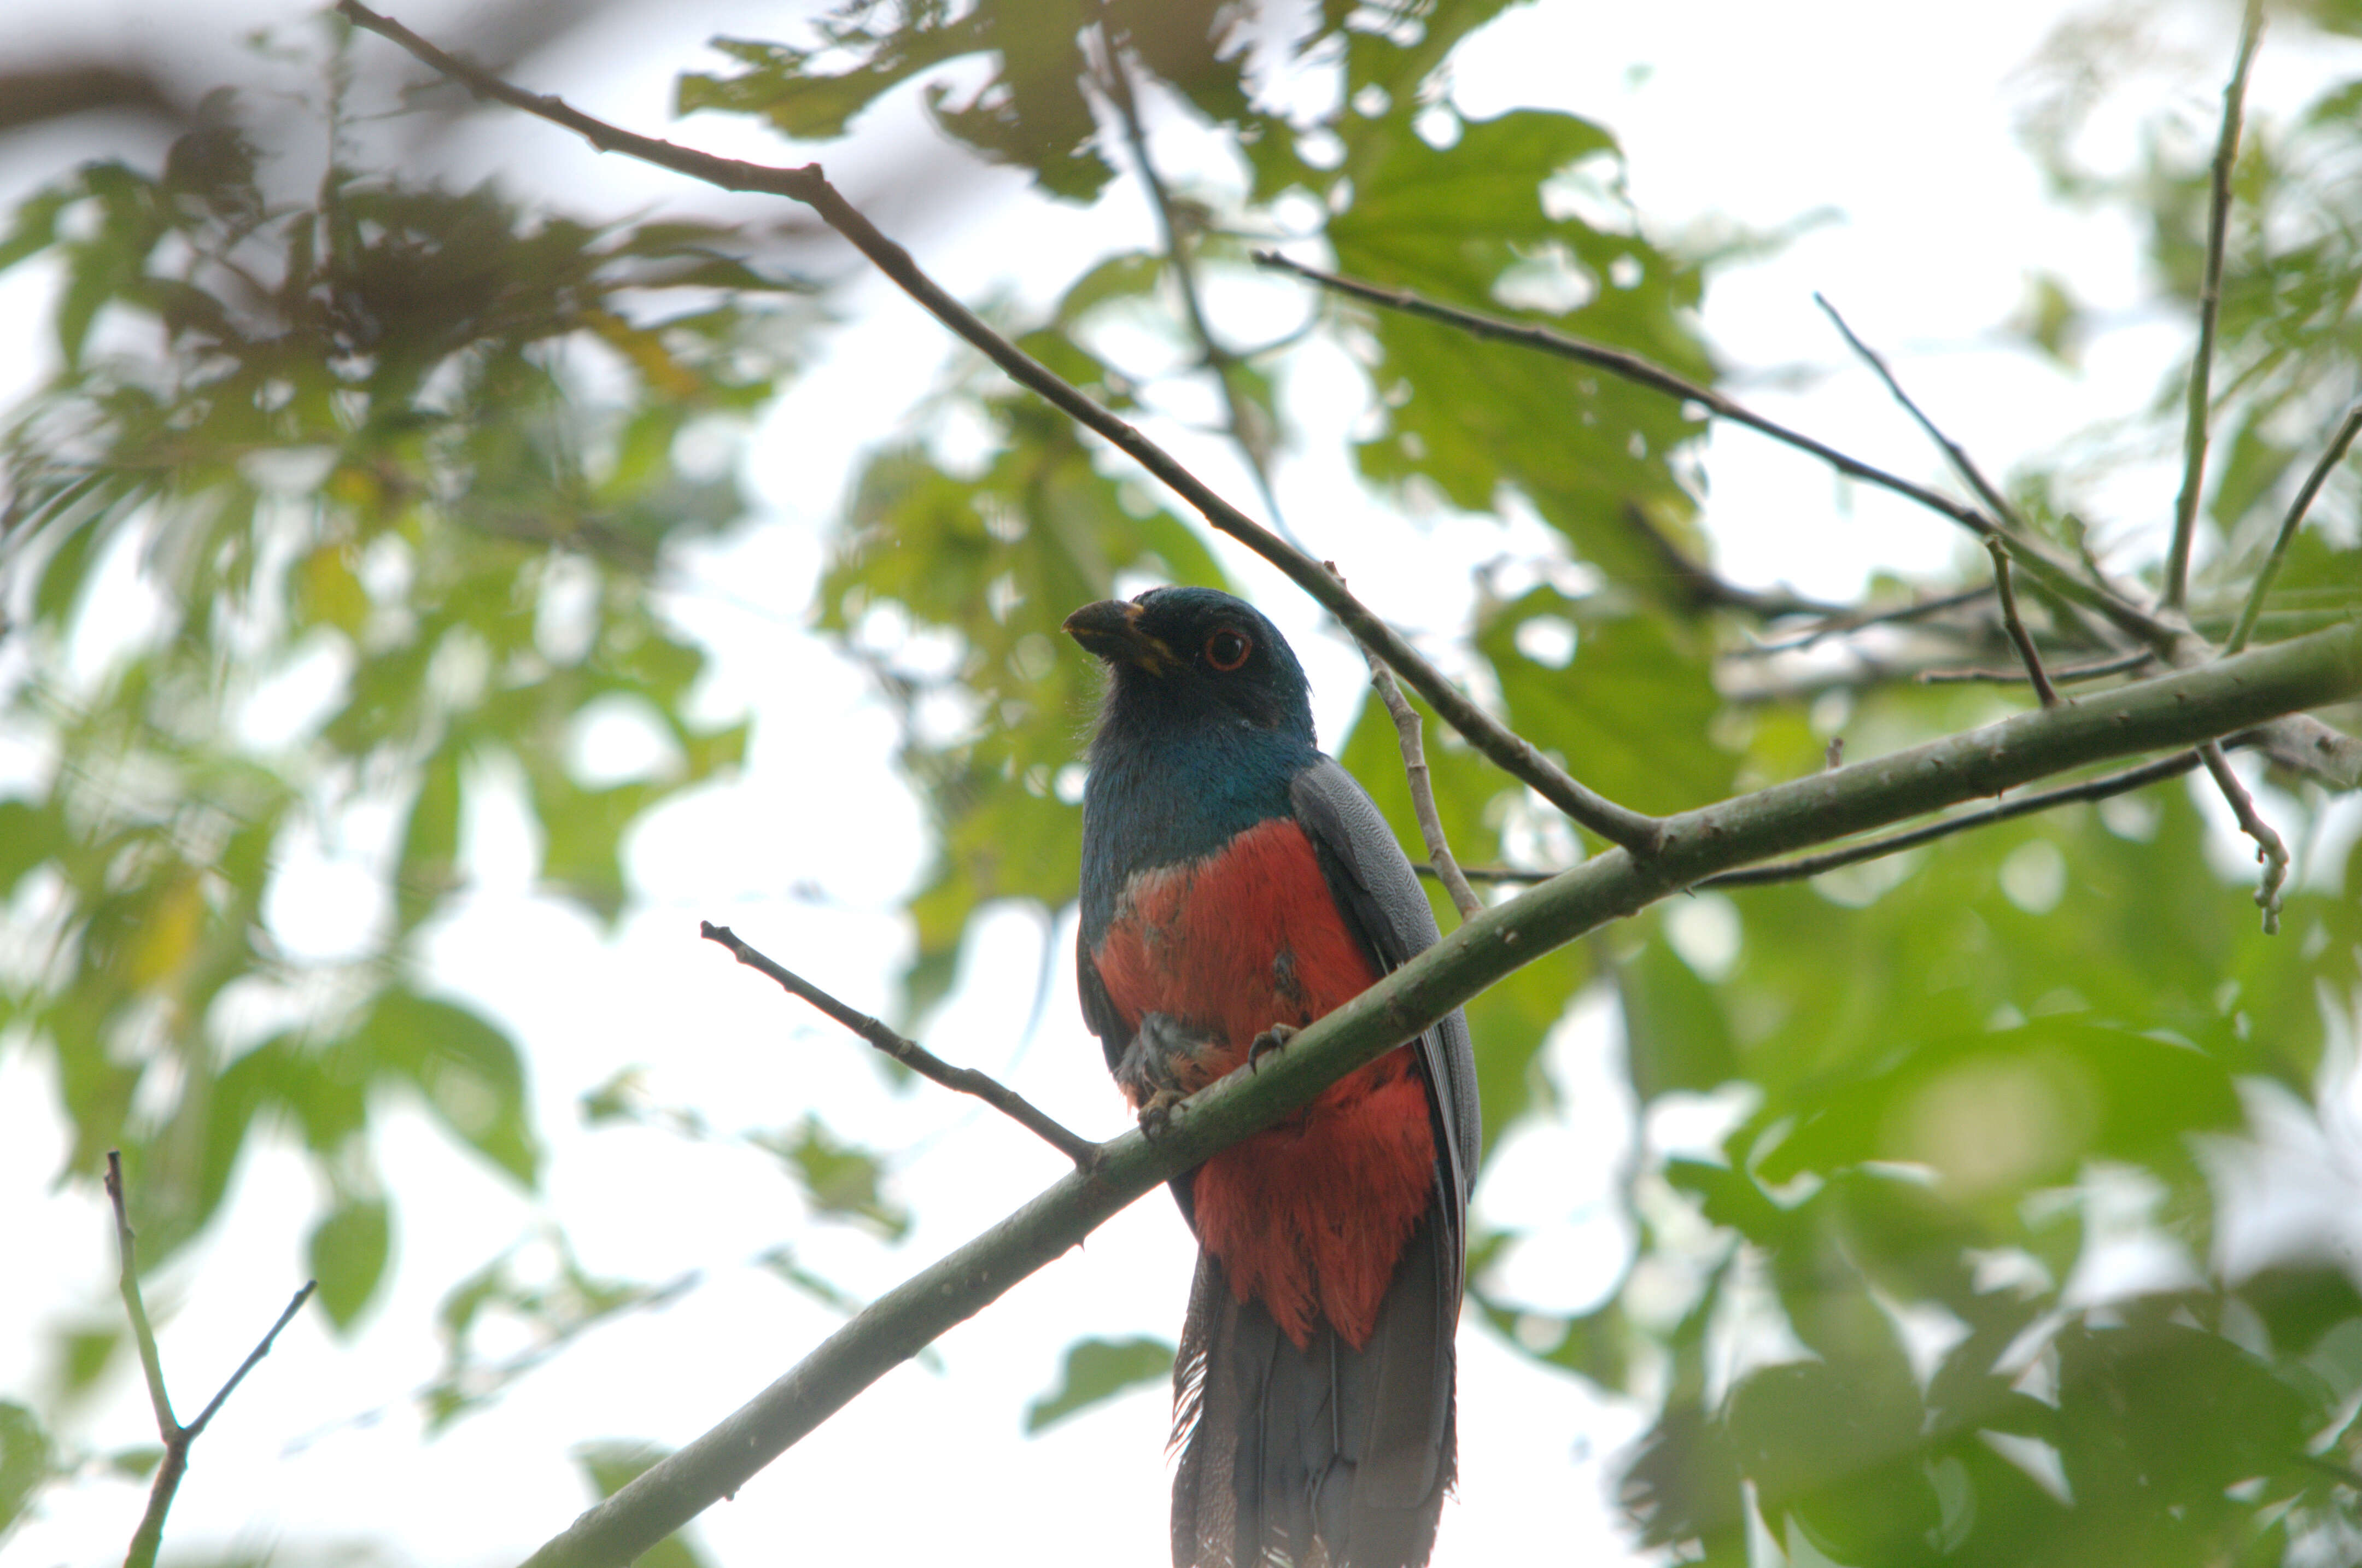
point(1227, 650)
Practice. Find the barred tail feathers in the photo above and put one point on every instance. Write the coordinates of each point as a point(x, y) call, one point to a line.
point(1319, 1456)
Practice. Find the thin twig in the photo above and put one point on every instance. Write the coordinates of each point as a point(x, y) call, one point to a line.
point(2120, 665)
point(2016, 628)
point(1854, 621)
point(2013, 527)
point(1515, 755)
point(2330, 458)
point(2270, 853)
point(1439, 862)
point(1237, 415)
point(2210, 309)
point(2056, 573)
point(254, 1356)
point(151, 1362)
point(1955, 454)
point(1701, 587)
point(911, 1054)
point(177, 1439)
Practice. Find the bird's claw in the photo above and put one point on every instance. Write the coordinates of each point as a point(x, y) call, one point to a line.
point(1157, 1112)
point(1271, 1039)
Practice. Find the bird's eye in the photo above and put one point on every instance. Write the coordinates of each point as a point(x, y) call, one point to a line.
point(1227, 650)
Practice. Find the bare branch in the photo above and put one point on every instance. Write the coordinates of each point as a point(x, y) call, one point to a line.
point(2330, 458)
point(1511, 752)
point(1240, 420)
point(2270, 853)
point(2180, 709)
point(127, 1280)
point(2210, 309)
point(177, 1439)
point(2121, 665)
point(1958, 455)
point(2016, 628)
point(1438, 862)
point(1701, 587)
point(2061, 575)
point(1855, 620)
point(911, 1054)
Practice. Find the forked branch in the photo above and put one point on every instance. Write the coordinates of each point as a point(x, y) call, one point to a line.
point(177, 1439)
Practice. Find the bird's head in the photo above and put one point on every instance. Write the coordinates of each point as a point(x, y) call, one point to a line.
point(1188, 656)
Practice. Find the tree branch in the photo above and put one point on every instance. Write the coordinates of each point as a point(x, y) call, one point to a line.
point(1701, 587)
point(2058, 573)
point(1855, 620)
point(2121, 782)
point(1958, 455)
point(2026, 652)
point(2270, 853)
point(910, 1054)
point(1439, 863)
point(1238, 419)
point(177, 1439)
point(1511, 752)
point(2330, 458)
point(2122, 664)
point(2210, 308)
point(2181, 709)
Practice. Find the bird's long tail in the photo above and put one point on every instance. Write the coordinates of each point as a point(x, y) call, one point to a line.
point(1319, 1457)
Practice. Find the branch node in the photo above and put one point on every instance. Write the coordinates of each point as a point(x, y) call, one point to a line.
point(178, 1439)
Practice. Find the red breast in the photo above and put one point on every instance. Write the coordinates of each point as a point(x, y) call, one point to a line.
point(1308, 1217)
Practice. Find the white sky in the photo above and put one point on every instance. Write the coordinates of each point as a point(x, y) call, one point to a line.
point(1900, 116)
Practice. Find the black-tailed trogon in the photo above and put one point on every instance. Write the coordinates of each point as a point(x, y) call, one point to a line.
point(1235, 879)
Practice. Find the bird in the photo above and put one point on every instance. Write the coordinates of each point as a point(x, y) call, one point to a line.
point(1236, 885)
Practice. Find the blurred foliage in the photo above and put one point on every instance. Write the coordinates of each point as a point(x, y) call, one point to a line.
point(341, 508)
point(1098, 1370)
point(1945, 1068)
point(1884, 1315)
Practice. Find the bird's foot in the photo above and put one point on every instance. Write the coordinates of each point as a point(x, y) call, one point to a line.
point(1273, 1039)
point(1163, 1065)
point(1157, 1112)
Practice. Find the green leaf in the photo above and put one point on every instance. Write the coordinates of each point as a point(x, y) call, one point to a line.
point(1675, 1036)
point(2001, 1113)
point(839, 1180)
point(349, 1248)
point(469, 1070)
point(1096, 1371)
point(1628, 713)
point(25, 1462)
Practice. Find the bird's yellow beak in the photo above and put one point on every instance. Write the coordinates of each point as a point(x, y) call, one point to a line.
point(1111, 629)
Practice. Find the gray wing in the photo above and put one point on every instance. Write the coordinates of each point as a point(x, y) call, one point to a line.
point(1381, 897)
